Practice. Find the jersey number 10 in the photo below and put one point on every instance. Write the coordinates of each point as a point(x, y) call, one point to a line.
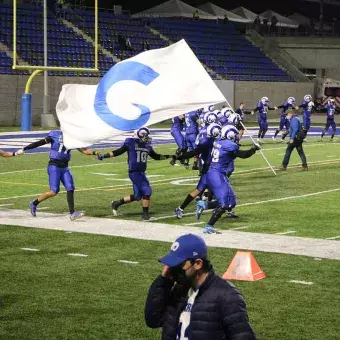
point(142, 156)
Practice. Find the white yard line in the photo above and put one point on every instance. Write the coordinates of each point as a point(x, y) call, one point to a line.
point(239, 228)
point(301, 282)
point(286, 232)
point(195, 223)
point(333, 238)
point(77, 255)
point(6, 205)
point(30, 249)
point(129, 262)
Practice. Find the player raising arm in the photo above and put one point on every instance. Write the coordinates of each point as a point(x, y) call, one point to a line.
point(138, 150)
point(58, 171)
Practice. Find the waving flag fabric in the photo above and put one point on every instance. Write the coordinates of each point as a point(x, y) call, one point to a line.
point(148, 88)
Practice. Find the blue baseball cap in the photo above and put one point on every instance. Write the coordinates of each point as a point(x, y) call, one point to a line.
point(186, 247)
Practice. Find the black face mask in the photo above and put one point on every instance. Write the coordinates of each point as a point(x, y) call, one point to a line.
point(181, 277)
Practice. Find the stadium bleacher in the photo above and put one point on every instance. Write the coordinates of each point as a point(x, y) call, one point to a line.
point(219, 46)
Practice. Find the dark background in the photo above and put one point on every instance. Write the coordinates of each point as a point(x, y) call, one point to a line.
point(284, 7)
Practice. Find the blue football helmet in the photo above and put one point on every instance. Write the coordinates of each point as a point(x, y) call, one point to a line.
point(143, 134)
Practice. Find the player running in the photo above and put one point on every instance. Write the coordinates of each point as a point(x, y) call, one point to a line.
point(263, 107)
point(177, 132)
point(203, 148)
point(330, 122)
point(191, 132)
point(241, 112)
point(138, 149)
point(224, 151)
point(58, 171)
point(307, 106)
point(284, 121)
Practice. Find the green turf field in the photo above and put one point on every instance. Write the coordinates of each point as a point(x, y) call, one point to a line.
point(302, 202)
point(50, 295)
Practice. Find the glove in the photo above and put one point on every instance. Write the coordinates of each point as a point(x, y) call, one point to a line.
point(100, 156)
point(275, 107)
point(252, 112)
point(20, 152)
point(257, 146)
point(296, 107)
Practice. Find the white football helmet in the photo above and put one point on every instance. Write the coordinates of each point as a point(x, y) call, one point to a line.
point(331, 101)
point(230, 132)
point(307, 98)
point(291, 100)
point(209, 118)
point(233, 119)
point(265, 100)
point(214, 130)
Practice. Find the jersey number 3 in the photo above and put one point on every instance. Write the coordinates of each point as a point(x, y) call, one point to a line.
point(142, 156)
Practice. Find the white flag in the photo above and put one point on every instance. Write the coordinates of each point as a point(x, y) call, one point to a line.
point(148, 88)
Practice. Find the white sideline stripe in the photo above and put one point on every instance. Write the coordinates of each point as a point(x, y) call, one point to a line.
point(195, 223)
point(261, 202)
point(317, 259)
point(239, 228)
point(286, 232)
point(79, 255)
point(68, 232)
point(5, 205)
point(43, 208)
point(330, 156)
point(301, 282)
point(304, 145)
point(102, 174)
point(333, 238)
point(130, 262)
point(30, 249)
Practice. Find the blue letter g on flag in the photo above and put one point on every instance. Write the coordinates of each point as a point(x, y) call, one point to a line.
point(129, 70)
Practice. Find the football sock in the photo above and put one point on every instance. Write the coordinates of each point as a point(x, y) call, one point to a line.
point(70, 201)
point(186, 202)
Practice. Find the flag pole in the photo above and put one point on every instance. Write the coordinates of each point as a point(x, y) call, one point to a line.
point(252, 139)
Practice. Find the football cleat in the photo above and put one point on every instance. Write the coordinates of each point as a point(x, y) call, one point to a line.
point(76, 215)
point(114, 206)
point(33, 209)
point(179, 212)
point(231, 214)
point(200, 207)
point(208, 229)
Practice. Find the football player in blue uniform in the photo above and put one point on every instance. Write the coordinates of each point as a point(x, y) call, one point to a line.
point(191, 132)
point(263, 107)
point(203, 148)
point(307, 106)
point(138, 149)
point(58, 171)
point(330, 122)
point(177, 132)
point(223, 115)
point(224, 151)
point(284, 121)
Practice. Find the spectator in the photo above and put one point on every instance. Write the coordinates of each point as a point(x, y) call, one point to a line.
point(273, 24)
point(196, 15)
point(265, 26)
point(189, 290)
point(225, 20)
point(145, 45)
point(128, 45)
point(121, 42)
point(257, 24)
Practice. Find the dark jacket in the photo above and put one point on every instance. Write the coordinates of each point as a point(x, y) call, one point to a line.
point(219, 311)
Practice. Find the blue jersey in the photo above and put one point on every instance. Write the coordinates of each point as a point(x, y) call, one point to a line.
point(307, 109)
point(285, 106)
point(177, 124)
point(263, 109)
point(58, 150)
point(191, 124)
point(223, 153)
point(330, 109)
point(138, 153)
point(206, 144)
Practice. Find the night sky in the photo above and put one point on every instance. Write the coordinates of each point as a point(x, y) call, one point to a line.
point(284, 7)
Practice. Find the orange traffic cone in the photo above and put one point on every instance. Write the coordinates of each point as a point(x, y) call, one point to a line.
point(244, 267)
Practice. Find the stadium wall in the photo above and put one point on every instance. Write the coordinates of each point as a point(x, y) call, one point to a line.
point(12, 87)
point(314, 52)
